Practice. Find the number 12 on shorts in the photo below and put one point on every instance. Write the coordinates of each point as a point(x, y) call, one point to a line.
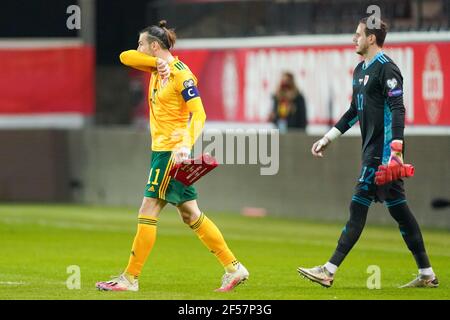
point(367, 175)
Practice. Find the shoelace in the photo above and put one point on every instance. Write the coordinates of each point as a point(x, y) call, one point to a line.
point(318, 268)
point(226, 278)
point(116, 279)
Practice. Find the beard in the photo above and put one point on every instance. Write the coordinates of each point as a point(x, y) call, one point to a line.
point(362, 49)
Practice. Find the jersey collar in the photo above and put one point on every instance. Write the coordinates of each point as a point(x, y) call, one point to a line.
point(379, 54)
point(175, 60)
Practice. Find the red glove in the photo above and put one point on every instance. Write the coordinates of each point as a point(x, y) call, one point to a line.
point(395, 169)
point(386, 174)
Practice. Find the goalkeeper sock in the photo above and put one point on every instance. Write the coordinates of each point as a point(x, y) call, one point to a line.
point(142, 245)
point(410, 230)
point(212, 238)
point(352, 230)
point(426, 271)
point(332, 268)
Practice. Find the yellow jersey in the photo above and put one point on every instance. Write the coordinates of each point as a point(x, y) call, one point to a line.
point(171, 101)
point(169, 114)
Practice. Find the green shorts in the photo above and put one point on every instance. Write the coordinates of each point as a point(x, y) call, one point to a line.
point(160, 185)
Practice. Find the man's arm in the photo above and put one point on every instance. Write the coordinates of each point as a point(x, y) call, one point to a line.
point(195, 107)
point(146, 63)
point(186, 85)
point(138, 60)
point(349, 118)
point(392, 84)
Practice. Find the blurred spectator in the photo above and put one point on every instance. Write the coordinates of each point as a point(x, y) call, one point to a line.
point(289, 109)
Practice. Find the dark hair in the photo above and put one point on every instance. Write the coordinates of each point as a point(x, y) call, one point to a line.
point(290, 76)
point(165, 37)
point(380, 33)
point(289, 88)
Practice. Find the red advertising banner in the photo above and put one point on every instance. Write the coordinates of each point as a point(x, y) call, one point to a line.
point(47, 81)
point(236, 84)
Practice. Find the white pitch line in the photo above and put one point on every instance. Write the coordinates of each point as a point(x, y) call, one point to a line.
point(11, 283)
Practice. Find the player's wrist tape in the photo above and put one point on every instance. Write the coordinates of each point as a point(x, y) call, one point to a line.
point(333, 134)
point(397, 145)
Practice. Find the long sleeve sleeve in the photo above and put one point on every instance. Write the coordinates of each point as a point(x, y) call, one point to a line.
point(348, 119)
point(198, 119)
point(186, 85)
point(138, 60)
point(392, 84)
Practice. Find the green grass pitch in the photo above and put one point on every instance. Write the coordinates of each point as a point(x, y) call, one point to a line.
point(39, 242)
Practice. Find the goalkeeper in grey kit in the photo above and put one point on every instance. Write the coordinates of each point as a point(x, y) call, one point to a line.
point(377, 103)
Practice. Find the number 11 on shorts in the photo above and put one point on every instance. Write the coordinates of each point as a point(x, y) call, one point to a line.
point(155, 181)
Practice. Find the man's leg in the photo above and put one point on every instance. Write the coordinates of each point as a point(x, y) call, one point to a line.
point(359, 207)
point(351, 232)
point(142, 246)
point(410, 231)
point(324, 275)
point(146, 234)
point(212, 238)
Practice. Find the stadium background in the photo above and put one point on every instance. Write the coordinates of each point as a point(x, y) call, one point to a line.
point(73, 126)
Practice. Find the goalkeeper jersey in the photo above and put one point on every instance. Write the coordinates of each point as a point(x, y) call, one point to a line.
point(377, 103)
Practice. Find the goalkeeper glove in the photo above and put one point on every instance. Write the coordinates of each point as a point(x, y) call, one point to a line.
point(395, 168)
point(386, 174)
point(396, 157)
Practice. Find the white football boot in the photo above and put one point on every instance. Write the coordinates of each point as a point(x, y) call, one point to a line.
point(318, 274)
point(422, 281)
point(120, 283)
point(230, 280)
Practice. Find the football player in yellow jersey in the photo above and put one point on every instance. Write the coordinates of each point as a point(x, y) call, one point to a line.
point(173, 100)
